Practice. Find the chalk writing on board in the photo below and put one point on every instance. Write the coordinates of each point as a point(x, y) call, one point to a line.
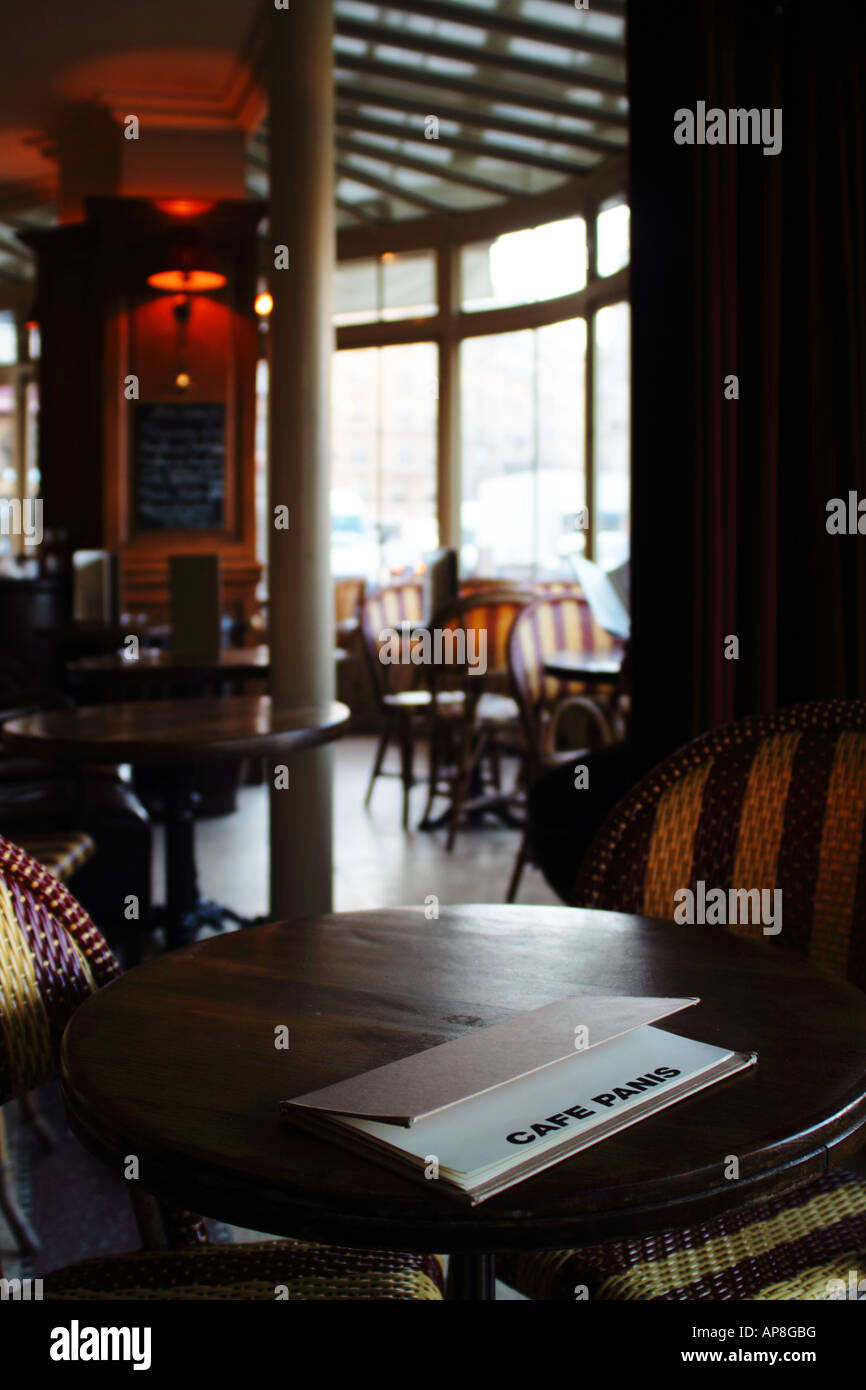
point(179, 465)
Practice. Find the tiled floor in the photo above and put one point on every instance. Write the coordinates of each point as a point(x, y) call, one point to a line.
point(377, 863)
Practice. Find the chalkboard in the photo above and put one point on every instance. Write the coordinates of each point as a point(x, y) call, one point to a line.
point(179, 465)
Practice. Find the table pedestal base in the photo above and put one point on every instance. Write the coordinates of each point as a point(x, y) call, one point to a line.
point(471, 1277)
point(185, 911)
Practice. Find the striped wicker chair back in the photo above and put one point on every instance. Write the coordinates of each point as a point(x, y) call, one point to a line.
point(488, 617)
point(382, 610)
point(477, 584)
point(549, 625)
point(775, 801)
point(52, 958)
point(558, 588)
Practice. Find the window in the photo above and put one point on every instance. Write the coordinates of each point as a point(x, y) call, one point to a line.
point(611, 434)
point(524, 497)
point(524, 267)
point(8, 337)
point(11, 492)
point(522, 430)
point(612, 237)
point(385, 288)
point(383, 480)
point(19, 419)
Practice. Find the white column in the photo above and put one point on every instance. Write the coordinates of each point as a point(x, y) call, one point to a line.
point(301, 608)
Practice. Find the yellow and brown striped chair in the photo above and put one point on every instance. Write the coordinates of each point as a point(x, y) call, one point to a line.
point(62, 853)
point(473, 714)
point(560, 620)
point(52, 958)
point(772, 801)
point(557, 622)
point(401, 701)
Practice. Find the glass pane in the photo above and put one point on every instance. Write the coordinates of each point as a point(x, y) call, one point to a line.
point(560, 376)
point(522, 450)
point(261, 456)
point(8, 471)
point(408, 525)
point(383, 495)
point(8, 337)
point(408, 289)
point(498, 430)
point(395, 286)
point(34, 478)
point(354, 471)
point(612, 238)
point(356, 295)
point(524, 267)
point(611, 433)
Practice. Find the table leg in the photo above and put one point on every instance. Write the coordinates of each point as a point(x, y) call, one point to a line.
point(185, 911)
point(471, 1277)
point(181, 873)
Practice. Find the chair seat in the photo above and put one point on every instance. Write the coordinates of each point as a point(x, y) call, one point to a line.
point(261, 1270)
point(497, 709)
point(491, 709)
point(776, 1249)
point(407, 699)
point(61, 853)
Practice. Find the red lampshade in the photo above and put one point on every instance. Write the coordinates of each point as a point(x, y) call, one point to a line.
point(184, 207)
point(189, 265)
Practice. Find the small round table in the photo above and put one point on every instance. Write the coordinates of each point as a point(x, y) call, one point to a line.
point(116, 675)
point(176, 1063)
point(176, 736)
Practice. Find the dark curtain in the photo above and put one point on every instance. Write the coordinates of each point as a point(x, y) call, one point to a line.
point(750, 265)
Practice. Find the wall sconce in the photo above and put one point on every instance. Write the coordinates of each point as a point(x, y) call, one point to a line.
point(189, 266)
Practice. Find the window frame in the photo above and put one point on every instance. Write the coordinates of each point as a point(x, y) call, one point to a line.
point(451, 325)
point(19, 375)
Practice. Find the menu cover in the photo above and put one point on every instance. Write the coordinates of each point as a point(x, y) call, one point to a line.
point(498, 1104)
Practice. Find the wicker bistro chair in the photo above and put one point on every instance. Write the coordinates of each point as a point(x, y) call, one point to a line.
point(772, 801)
point(52, 958)
point(560, 621)
point(61, 854)
point(473, 718)
point(402, 703)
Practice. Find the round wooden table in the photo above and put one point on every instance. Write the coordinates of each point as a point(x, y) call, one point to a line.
point(176, 736)
point(115, 674)
point(176, 1063)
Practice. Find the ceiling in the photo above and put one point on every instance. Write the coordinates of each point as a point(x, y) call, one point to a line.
point(442, 105)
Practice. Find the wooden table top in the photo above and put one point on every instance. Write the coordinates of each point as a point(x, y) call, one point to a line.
point(234, 661)
point(172, 731)
point(151, 663)
point(583, 666)
point(176, 1063)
